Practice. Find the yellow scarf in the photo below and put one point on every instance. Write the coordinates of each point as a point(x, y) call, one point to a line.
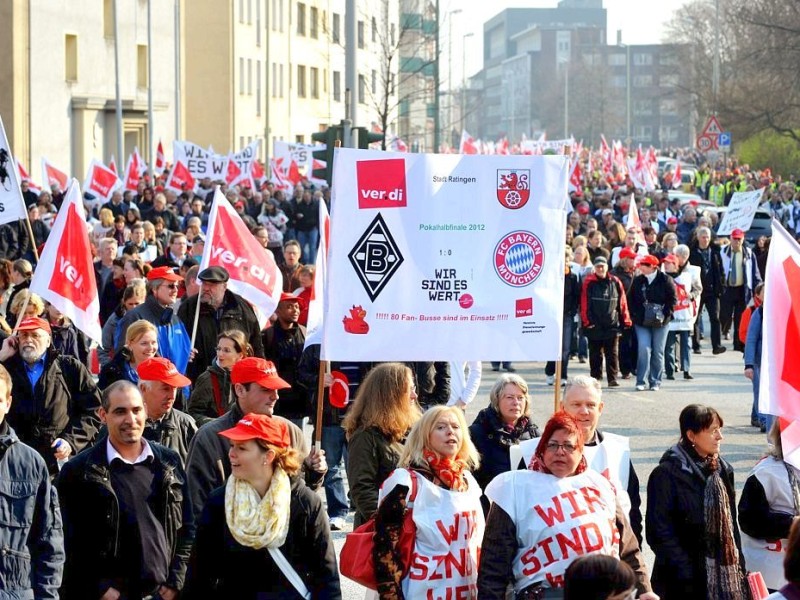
point(258, 522)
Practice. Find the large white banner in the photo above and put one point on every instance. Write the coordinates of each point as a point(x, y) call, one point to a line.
point(445, 257)
point(740, 213)
point(207, 163)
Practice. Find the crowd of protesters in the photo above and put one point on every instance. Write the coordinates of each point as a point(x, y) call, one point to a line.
point(154, 468)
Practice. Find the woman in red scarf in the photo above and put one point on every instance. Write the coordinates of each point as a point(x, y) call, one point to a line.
point(547, 516)
point(433, 480)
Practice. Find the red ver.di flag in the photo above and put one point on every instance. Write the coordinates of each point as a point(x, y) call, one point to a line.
point(252, 269)
point(51, 176)
point(445, 257)
point(101, 181)
point(65, 273)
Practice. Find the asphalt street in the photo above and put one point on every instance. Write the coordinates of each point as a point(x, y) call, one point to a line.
point(649, 419)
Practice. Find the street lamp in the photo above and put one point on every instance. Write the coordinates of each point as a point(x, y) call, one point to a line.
point(627, 89)
point(565, 64)
point(450, 68)
point(464, 78)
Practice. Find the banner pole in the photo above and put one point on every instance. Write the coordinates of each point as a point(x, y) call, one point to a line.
point(30, 233)
point(21, 313)
point(196, 315)
point(557, 395)
point(324, 368)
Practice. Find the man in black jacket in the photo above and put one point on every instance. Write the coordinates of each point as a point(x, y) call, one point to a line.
point(220, 310)
point(706, 255)
point(624, 271)
point(283, 345)
point(57, 399)
point(124, 512)
point(31, 536)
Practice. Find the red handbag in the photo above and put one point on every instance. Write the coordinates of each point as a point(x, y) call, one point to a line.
point(356, 559)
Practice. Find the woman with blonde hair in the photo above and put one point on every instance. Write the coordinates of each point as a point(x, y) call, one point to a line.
point(105, 228)
point(433, 473)
point(141, 343)
point(133, 295)
point(384, 410)
point(34, 308)
point(263, 534)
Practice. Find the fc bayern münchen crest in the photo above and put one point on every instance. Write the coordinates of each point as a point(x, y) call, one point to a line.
point(513, 187)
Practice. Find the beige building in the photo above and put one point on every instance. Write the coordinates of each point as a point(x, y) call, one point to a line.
point(57, 66)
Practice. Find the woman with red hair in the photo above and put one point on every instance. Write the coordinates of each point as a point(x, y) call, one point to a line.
point(545, 517)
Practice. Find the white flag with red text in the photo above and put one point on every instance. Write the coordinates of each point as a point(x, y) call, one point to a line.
point(100, 181)
point(12, 203)
point(316, 307)
point(254, 275)
point(65, 273)
point(52, 176)
point(132, 173)
point(779, 392)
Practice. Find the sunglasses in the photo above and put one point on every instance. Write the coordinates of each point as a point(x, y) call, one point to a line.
point(172, 286)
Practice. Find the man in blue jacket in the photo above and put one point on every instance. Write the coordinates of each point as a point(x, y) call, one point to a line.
point(32, 560)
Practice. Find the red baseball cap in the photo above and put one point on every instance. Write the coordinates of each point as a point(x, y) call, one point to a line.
point(259, 427)
point(627, 253)
point(33, 323)
point(670, 258)
point(672, 220)
point(257, 370)
point(339, 393)
point(165, 273)
point(737, 234)
point(161, 369)
point(649, 260)
point(583, 209)
point(286, 297)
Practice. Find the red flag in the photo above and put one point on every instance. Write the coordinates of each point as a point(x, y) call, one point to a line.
point(23, 176)
point(161, 162)
point(112, 164)
point(576, 176)
point(677, 176)
point(101, 181)
point(180, 179)
point(132, 173)
point(53, 177)
point(278, 176)
point(257, 172)
point(65, 273)
point(315, 306)
point(294, 175)
point(468, 145)
point(251, 267)
point(233, 173)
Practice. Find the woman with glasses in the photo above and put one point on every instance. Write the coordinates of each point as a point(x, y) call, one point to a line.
point(691, 515)
point(504, 423)
point(211, 396)
point(376, 424)
point(651, 302)
point(141, 343)
point(545, 517)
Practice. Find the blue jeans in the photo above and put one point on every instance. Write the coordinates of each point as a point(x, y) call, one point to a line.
point(669, 353)
point(650, 365)
point(754, 414)
point(308, 244)
point(566, 336)
point(335, 447)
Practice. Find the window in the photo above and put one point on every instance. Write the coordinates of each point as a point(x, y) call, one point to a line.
point(642, 108)
point(71, 57)
point(141, 66)
point(393, 33)
point(249, 76)
point(280, 79)
point(241, 11)
point(642, 59)
point(258, 22)
point(313, 26)
point(670, 80)
point(274, 15)
point(258, 88)
point(668, 59)
point(619, 81)
point(280, 17)
point(337, 86)
point(241, 76)
point(669, 107)
point(274, 85)
point(643, 81)
point(618, 59)
point(313, 83)
point(301, 18)
point(643, 132)
point(362, 90)
point(325, 81)
point(301, 81)
point(374, 82)
point(299, 139)
point(108, 18)
point(335, 27)
point(374, 30)
point(250, 11)
point(361, 35)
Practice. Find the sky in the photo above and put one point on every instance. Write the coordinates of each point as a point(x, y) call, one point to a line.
point(641, 22)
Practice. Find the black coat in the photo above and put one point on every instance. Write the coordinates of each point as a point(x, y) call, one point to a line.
point(674, 524)
point(712, 275)
point(493, 440)
point(604, 307)
point(220, 567)
point(63, 404)
point(90, 509)
point(235, 313)
point(284, 347)
point(661, 291)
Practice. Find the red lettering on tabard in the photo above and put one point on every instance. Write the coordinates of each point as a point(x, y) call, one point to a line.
point(551, 514)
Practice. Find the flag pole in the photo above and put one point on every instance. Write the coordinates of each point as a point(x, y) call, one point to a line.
point(324, 369)
point(557, 394)
point(30, 233)
point(21, 313)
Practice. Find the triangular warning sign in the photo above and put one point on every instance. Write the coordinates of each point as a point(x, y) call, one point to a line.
point(712, 127)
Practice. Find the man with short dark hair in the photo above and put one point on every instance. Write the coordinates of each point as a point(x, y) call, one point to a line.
point(32, 527)
point(124, 509)
point(57, 399)
point(220, 310)
point(706, 255)
point(175, 254)
point(290, 269)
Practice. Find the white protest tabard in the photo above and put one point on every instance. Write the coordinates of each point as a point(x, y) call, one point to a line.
point(445, 257)
point(12, 206)
point(741, 211)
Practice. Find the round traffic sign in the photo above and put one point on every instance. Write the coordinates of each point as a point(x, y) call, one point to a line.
point(704, 143)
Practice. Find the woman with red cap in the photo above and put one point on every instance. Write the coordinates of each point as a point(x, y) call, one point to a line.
point(545, 517)
point(264, 534)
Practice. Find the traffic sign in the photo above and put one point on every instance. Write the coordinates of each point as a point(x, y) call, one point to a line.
point(724, 141)
point(705, 142)
point(712, 128)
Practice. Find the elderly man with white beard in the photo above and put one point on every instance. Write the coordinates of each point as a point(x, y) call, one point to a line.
point(57, 401)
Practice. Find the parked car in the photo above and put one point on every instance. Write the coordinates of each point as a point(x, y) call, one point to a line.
point(761, 225)
point(689, 198)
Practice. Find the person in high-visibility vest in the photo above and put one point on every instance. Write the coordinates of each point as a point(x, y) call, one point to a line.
point(716, 191)
point(701, 179)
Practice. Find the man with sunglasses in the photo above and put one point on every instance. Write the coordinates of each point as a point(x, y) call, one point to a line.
point(174, 342)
